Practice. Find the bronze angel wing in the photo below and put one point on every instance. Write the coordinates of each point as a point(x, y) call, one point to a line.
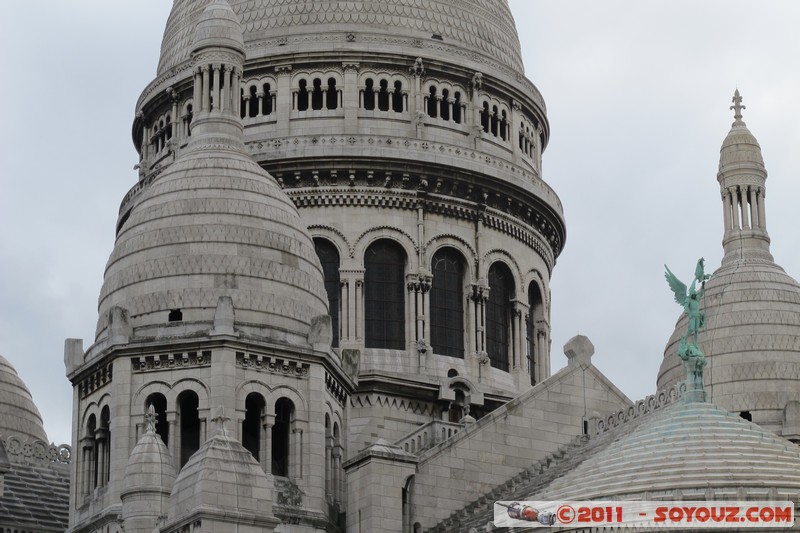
point(677, 286)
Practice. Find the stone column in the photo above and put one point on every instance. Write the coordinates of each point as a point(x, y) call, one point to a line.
point(351, 98)
point(337, 456)
point(174, 439)
point(745, 209)
point(216, 90)
point(206, 92)
point(726, 209)
point(87, 445)
point(753, 208)
point(329, 471)
point(762, 216)
point(266, 457)
point(101, 441)
point(284, 97)
point(198, 86)
point(296, 450)
point(735, 203)
point(176, 133)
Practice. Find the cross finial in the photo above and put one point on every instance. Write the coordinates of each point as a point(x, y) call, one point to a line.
point(220, 420)
point(737, 107)
point(150, 420)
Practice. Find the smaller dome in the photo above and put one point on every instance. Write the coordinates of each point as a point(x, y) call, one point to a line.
point(218, 27)
point(149, 466)
point(740, 146)
point(692, 447)
point(18, 414)
point(222, 475)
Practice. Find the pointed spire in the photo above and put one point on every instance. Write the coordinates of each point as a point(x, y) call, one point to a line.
point(737, 107)
point(150, 421)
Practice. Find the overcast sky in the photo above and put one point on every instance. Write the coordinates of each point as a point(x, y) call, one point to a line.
point(637, 94)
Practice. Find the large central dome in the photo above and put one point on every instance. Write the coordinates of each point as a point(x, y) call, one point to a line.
point(484, 28)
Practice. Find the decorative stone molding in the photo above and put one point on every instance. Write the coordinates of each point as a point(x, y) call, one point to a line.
point(642, 408)
point(336, 389)
point(170, 361)
point(95, 381)
point(35, 451)
point(273, 365)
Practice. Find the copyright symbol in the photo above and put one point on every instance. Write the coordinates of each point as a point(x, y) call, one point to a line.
point(565, 514)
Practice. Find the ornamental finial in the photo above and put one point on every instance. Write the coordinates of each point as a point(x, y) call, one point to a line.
point(737, 107)
point(150, 421)
point(220, 420)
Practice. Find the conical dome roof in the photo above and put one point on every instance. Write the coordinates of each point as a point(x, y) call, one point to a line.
point(484, 27)
point(18, 414)
point(691, 447)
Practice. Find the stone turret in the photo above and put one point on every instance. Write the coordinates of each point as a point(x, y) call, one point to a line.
point(149, 477)
point(751, 336)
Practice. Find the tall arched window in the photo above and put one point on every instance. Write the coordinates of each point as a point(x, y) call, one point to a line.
point(159, 403)
point(383, 96)
point(384, 295)
point(302, 96)
point(536, 312)
point(397, 97)
point(266, 101)
point(369, 95)
point(332, 96)
point(189, 424)
point(433, 103)
point(252, 103)
point(329, 257)
point(457, 108)
point(103, 439)
point(316, 95)
point(251, 425)
point(447, 303)
point(498, 315)
point(281, 430)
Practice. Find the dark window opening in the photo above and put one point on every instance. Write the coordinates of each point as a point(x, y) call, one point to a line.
point(329, 258)
point(495, 121)
point(383, 96)
point(316, 95)
point(332, 96)
point(188, 412)
point(284, 416)
point(498, 315)
point(302, 96)
point(452, 373)
point(168, 129)
point(447, 303)
point(176, 315)
point(535, 312)
point(746, 415)
point(189, 120)
point(397, 98)
point(159, 403)
point(457, 109)
point(433, 104)
point(445, 107)
point(384, 294)
point(485, 113)
point(266, 101)
point(503, 126)
point(369, 95)
point(252, 106)
point(251, 425)
point(585, 427)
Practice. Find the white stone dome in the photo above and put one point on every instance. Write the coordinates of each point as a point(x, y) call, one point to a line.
point(484, 27)
point(212, 225)
point(696, 448)
point(19, 416)
point(218, 27)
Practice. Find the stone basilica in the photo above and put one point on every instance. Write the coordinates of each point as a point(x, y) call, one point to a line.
point(328, 304)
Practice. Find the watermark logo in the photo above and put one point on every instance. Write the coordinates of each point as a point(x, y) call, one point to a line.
point(666, 515)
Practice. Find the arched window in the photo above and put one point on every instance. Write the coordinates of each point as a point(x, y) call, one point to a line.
point(384, 295)
point(407, 505)
point(503, 125)
point(369, 95)
point(383, 96)
point(332, 96)
point(495, 120)
point(498, 315)
point(103, 439)
point(159, 403)
point(447, 303)
point(89, 448)
point(485, 117)
point(328, 445)
point(536, 312)
point(457, 108)
point(329, 257)
point(189, 424)
point(316, 95)
point(302, 96)
point(338, 473)
point(251, 425)
point(445, 106)
point(397, 97)
point(189, 120)
point(266, 101)
point(433, 103)
point(284, 418)
point(252, 103)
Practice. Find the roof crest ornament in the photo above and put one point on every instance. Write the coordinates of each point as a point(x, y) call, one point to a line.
point(220, 420)
point(737, 107)
point(150, 421)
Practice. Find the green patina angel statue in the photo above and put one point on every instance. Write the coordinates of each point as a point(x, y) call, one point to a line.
point(690, 299)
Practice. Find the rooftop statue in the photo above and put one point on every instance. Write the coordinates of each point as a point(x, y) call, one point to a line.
point(693, 358)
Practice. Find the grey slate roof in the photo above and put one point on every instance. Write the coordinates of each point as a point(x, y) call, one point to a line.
point(35, 497)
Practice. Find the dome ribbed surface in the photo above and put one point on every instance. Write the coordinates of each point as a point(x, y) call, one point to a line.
point(219, 27)
point(740, 147)
point(221, 475)
point(484, 26)
point(18, 414)
point(214, 225)
point(149, 466)
point(751, 337)
point(692, 447)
